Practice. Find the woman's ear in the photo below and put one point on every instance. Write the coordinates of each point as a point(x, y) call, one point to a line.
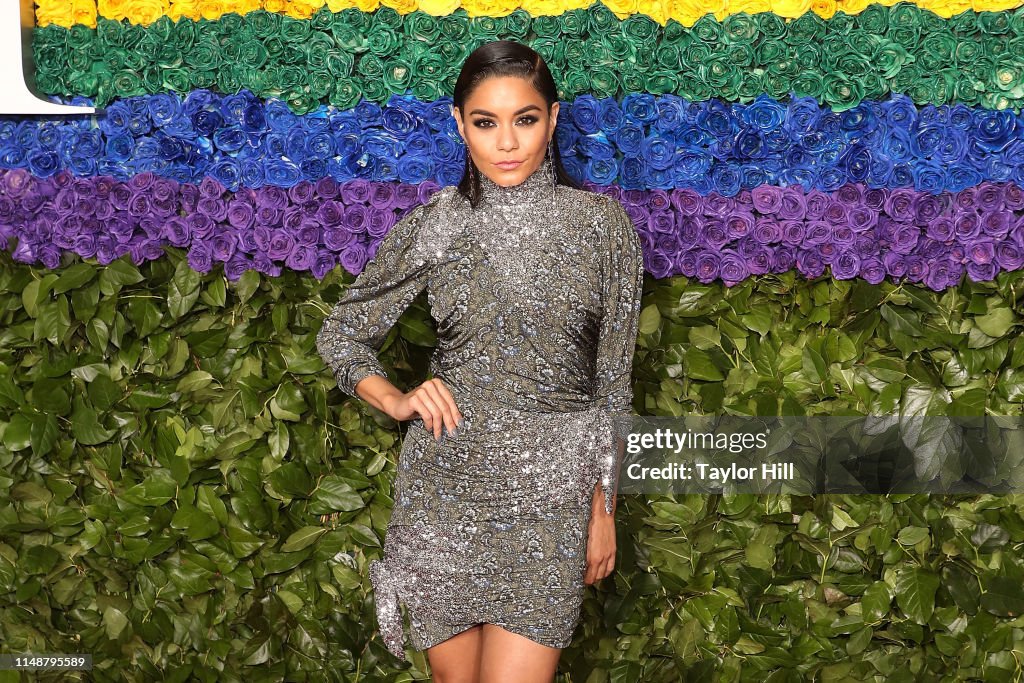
point(554, 118)
point(457, 115)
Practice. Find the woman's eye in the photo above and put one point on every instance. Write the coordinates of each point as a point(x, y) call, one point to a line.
point(486, 123)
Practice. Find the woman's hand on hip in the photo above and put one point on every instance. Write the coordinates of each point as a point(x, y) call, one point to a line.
point(431, 401)
point(600, 546)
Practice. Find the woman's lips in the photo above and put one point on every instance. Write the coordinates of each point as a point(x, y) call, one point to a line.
point(508, 165)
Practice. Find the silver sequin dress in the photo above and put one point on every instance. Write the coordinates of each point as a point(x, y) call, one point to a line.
point(536, 297)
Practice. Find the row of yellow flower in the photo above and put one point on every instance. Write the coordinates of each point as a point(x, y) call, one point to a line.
point(686, 12)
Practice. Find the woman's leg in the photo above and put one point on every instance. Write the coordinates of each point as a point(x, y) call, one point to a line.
point(457, 659)
point(507, 657)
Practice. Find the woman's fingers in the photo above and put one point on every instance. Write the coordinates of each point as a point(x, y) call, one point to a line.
point(446, 404)
point(428, 409)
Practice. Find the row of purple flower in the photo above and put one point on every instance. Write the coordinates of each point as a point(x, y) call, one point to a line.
point(856, 231)
point(643, 142)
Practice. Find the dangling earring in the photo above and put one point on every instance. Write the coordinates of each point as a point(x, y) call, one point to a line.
point(551, 165)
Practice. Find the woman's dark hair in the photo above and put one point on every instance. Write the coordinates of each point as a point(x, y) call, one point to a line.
point(505, 58)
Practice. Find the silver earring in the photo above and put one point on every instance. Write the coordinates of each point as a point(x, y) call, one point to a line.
point(551, 164)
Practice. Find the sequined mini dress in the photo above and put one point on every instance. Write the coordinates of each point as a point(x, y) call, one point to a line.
point(535, 293)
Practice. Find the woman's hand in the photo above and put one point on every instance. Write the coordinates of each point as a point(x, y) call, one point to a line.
point(600, 542)
point(431, 401)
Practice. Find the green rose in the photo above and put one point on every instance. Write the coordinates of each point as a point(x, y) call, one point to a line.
point(383, 42)
point(152, 78)
point(230, 78)
point(742, 28)
point(547, 27)
point(375, 90)
point(618, 46)
point(87, 84)
point(205, 56)
point(176, 79)
point(340, 63)
point(345, 93)
point(599, 54)
point(708, 29)
point(604, 82)
point(696, 54)
point(422, 27)
point(750, 87)
point(292, 77)
point(252, 54)
point(263, 24)
point(453, 53)
point(853, 65)
point(183, 35)
point(994, 23)
point(353, 18)
point(427, 90)
point(370, 66)
point(397, 74)
point(319, 84)
point(641, 29)
point(889, 58)
point(80, 37)
point(575, 52)
point(517, 24)
point(692, 88)
point(968, 52)
point(842, 24)
point(349, 38)
point(777, 85)
point(632, 80)
point(602, 20)
point(905, 78)
point(255, 80)
point(109, 33)
point(808, 28)
point(720, 74)
point(809, 84)
point(739, 55)
point(322, 20)
point(275, 49)
point(965, 92)
point(771, 25)
point(875, 87)
point(430, 66)
point(126, 84)
point(1016, 21)
point(936, 52)
point(574, 22)
point(484, 29)
point(80, 60)
point(454, 29)
point(770, 51)
point(294, 31)
point(874, 19)
point(387, 17)
point(842, 93)
point(660, 82)
point(668, 56)
point(573, 83)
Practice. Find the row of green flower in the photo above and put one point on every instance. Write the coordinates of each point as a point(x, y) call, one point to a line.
point(336, 58)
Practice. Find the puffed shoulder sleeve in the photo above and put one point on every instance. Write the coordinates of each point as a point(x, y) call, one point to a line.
point(622, 279)
point(622, 286)
point(355, 329)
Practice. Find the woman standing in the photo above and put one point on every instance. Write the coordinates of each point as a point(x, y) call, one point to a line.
point(504, 497)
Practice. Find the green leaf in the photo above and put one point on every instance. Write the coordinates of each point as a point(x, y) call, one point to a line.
point(305, 536)
point(997, 322)
point(915, 593)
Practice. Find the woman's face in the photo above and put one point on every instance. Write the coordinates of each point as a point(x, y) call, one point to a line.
point(506, 119)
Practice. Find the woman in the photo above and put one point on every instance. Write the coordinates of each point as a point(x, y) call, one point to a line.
point(504, 497)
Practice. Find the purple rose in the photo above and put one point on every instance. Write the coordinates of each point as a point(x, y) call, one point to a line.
point(809, 262)
point(817, 232)
point(687, 202)
point(872, 270)
point(1009, 256)
point(662, 222)
point(941, 229)
point(707, 267)
point(354, 258)
point(715, 234)
point(767, 231)
point(996, 223)
point(982, 272)
point(794, 205)
point(355, 218)
point(241, 215)
point(767, 199)
point(739, 225)
point(895, 264)
point(875, 198)
point(845, 266)
point(917, 268)
point(817, 202)
point(967, 226)
point(732, 268)
point(688, 262)
point(302, 257)
point(281, 245)
point(905, 237)
point(850, 195)
point(793, 232)
point(200, 256)
point(981, 251)
point(783, 259)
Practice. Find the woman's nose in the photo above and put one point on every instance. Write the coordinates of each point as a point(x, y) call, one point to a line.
point(507, 139)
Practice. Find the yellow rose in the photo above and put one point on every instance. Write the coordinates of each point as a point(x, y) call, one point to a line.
point(995, 5)
point(368, 5)
point(439, 8)
point(853, 6)
point(338, 5)
point(824, 8)
point(790, 8)
point(183, 9)
point(542, 8)
point(621, 8)
point(401, 6)
point(84, 13)
point(489, 8)
point(748, 6)
point(135, 11)
point(64, 13)
point(658, 10)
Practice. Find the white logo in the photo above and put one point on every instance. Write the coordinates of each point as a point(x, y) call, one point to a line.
point(17, 73)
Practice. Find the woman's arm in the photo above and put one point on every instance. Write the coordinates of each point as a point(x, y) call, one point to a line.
point(354, 331)
point(622, 287)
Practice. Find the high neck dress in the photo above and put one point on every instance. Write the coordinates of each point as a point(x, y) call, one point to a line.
point(535, 293)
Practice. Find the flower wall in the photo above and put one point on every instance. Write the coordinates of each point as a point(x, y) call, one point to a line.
point(830, 200)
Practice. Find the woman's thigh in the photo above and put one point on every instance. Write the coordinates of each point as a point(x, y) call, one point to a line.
point(507, 657)
point(457, 659)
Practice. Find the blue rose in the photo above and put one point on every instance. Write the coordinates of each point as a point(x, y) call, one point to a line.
point(254, 119)
point(900, 112)
point(168, 148)
point(382, 144)
point(43, 162)
point(640, 107)
point(344, 123)
point(749, 145)
point(902, 175)
point(252, 174)
point(445, 148)
point(399, 121)
point(961, 116)
point(574, 166)
point(856, 163)
point(206, 122)
point(960, 177)
point(691, 164)
point(449, 174)
point(716, 119)
point(726, 180)
point(880, 170)
point(281, 172)
point(319, 146)
point(659, 152)
point(369, 114)
point(87, 144)
point(805, 177)
point(628, 137)
point(996, 171)
point(660, 179)
point(417, 144)
point(632, 173)
point(232, 107)
point(280, 118)
point(993, 130)
point(115, 118)
point(163, 109)
point(601, 171)
point(382, 168)
point(226, 171)
point(831, 179)
point(764, 113)
point(671, 113)
point(584, 112)
point(858, 121)
point(610, 116)
point(414, 169)
point(596, 146)
point(438, 113)
point(752, 176)
point(230, 139)
point(802, 115)
point(897, 145)
point(313, 169)
point(927, 140)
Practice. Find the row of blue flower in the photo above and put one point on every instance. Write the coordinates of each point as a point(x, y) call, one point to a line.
point(643, 142)
point(856, 231)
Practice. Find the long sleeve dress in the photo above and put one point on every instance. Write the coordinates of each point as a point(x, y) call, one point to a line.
point(536, 297)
